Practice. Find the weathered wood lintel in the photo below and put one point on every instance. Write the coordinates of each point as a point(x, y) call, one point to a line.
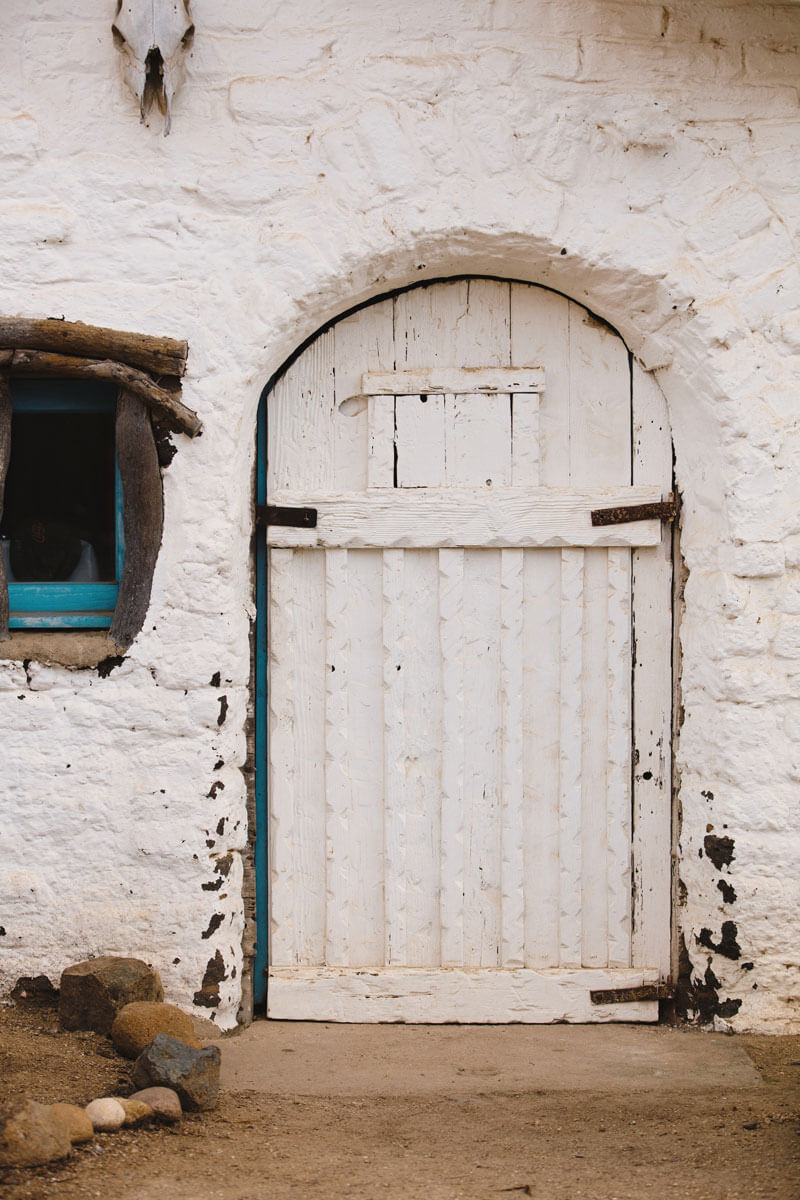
point(161, 355)
point(173, 413)
point(5, 454)
point(143, 515)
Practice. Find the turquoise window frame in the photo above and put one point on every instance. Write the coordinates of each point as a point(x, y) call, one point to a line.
point(68, 605)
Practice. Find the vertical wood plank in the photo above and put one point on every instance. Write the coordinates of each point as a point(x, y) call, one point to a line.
point(600, 428)
point(652, 707)
point(423, 725)
point(281, 691)
point(308, 735)
point(570, 764)
point(365, 757)
point(420, 441)
point(596, 718)
point(512, 656)
point(6, 406)
point(299, 416)
point(362, 342)
point(540, 337)
point(525, 465)
point(542, 682)
point(461, 323)
point(337, 759)
point(481, 334)
point(394, 798)
point(478, 440)
point(618, 834)
point(451, 592)
point(482, 735)
point(380, 441)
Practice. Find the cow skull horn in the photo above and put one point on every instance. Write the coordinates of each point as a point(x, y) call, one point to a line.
point(153, 36)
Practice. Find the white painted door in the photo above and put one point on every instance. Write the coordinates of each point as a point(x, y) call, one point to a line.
point(469, 775)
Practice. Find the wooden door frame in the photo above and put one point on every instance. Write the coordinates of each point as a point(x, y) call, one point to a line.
point(259, 809)
point(258, 913)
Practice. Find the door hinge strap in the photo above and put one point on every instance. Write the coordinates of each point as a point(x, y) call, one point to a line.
point(659, 510)
point(275, 514)
point(628, 995)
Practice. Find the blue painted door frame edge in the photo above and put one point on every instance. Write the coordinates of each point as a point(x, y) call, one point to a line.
point(260, 740)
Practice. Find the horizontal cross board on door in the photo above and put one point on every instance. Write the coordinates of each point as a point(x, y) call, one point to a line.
point(467, 380)
point(447, 517)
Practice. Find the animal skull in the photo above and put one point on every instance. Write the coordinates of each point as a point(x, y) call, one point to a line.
point(153, 36)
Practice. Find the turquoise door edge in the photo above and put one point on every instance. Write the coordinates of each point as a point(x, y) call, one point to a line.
point(260, 741)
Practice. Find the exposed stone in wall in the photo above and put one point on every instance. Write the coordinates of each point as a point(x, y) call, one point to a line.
point(637, 157)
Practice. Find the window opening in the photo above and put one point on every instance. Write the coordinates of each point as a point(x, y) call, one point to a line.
point(62, 513)
point(119, 379)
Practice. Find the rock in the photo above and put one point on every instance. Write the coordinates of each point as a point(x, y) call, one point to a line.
point(164, 1103)
point(34, 987)
point(137, 1024)
point(106, 1114)
point(193, 1074)
point(93, 992)
point(205, 1030)
point(136, 1111)
point(74, 1121)
point(30, 1135)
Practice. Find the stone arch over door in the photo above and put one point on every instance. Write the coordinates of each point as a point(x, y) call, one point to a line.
point(441, 846)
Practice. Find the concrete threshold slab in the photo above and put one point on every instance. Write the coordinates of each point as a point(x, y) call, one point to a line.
point(315, 1059)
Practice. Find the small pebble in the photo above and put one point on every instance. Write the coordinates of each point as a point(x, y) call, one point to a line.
point(106, 1114)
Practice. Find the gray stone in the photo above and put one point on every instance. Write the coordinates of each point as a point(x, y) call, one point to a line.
point(164, 1103)
point(30, 1135)
point(93, 992)
point(193, 1074)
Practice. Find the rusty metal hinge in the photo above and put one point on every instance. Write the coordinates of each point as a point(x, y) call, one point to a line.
point(275, 514)
point(627, 995)
point(659, 510)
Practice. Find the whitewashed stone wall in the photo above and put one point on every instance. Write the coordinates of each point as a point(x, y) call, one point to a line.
point(641, 158)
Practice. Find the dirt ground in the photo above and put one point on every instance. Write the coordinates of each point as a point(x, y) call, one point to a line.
point(738, 1144)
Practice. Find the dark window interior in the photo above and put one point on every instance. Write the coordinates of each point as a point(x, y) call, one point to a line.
point(59, 495)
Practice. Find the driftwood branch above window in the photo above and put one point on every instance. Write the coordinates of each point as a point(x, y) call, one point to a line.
point(39, 364)
point(159, 355)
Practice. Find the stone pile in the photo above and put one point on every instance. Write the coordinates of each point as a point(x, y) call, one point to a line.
point(122, 997)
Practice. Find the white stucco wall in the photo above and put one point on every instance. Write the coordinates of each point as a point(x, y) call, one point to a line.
point(642, 158)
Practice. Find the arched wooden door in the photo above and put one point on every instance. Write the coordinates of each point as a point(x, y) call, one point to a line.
point(469, 777)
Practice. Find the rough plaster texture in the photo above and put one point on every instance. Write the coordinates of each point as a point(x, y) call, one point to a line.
point(641, 158)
